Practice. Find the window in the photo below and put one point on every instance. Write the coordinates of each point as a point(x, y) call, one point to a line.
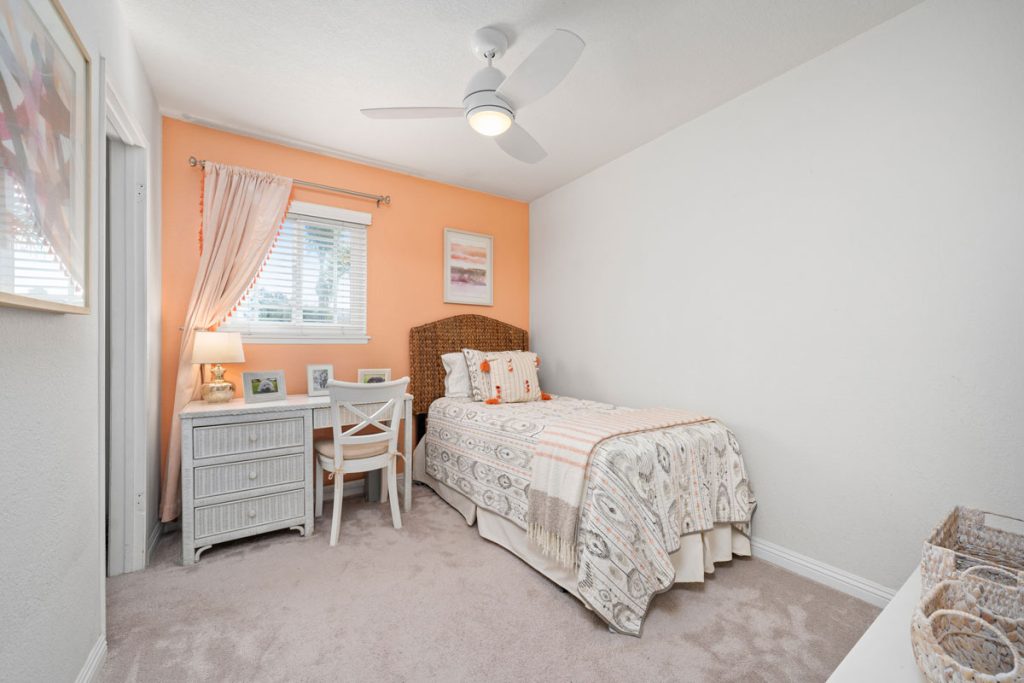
point(29, 265)
point(312, 288)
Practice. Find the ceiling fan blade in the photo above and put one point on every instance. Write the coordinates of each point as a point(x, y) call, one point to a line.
point(543, 69)
point(414, 112)
point(519, 144)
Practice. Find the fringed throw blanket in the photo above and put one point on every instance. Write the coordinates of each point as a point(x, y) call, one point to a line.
point(560, 461)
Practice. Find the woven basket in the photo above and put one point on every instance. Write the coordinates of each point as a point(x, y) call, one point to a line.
point(997, 596)
point(962, 541)
point(953, 642)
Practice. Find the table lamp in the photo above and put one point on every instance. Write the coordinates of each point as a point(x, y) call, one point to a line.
point(217, 348)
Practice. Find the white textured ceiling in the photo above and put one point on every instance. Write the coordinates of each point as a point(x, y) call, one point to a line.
point(301, 70)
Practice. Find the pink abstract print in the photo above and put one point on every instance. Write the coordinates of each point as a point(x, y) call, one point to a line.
point(468, 265)
point(468, 276)
point(40, 129)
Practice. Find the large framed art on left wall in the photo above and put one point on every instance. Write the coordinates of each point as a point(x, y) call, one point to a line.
point(45, 149)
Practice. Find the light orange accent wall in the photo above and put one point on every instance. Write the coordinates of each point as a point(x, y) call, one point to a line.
point(405, 253)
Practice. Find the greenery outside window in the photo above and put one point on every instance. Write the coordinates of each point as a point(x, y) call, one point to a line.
point(312, 288)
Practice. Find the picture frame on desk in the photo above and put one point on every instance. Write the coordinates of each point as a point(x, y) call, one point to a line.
point(373, 375)
point(264, 385)
point(317, 377)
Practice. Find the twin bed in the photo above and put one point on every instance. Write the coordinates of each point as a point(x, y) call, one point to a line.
point(658, 507)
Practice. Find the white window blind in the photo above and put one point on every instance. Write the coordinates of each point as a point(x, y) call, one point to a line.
point(313, 286)
point(28, 264)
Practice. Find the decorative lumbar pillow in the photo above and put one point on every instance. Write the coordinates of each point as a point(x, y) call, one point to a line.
point(480, 382)
point(456, 376)
point(513, 376)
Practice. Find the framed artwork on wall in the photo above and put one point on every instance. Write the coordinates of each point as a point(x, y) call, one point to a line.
point(264, 385)
point(44, 159)
point(468, 268)
point(317, 377)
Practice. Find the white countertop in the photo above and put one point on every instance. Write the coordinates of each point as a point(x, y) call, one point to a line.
point(238, 406)
point(884, 652)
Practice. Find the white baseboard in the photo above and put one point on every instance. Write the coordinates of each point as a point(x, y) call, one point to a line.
point(91, 669)
point(154, 538)
point(833, 577)
point(356, 488)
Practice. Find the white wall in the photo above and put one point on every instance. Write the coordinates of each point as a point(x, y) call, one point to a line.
point(51, 471)
point(831, 264)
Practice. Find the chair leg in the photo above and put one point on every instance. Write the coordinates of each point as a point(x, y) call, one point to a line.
point(396, 515)
point(383, 487)
point(339, 494)
point(407, 482)
point(318, 489)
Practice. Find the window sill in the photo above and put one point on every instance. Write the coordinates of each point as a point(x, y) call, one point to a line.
point(297, 339)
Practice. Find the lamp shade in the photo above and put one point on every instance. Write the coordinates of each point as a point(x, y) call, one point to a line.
point(218, 347)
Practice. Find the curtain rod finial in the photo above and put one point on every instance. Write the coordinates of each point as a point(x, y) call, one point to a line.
point(192, 161)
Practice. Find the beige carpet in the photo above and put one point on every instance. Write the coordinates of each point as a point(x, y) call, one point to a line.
point(434, 601)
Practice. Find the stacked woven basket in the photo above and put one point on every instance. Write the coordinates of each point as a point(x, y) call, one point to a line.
point(969, 625)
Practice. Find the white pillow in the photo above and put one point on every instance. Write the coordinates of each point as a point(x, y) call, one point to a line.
point(456, 376)
point(479, 382)
point(513, 376)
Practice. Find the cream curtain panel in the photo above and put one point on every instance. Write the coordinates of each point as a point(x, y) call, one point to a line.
point(242, 212)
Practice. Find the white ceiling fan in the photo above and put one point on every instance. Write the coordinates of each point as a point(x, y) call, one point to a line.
point(491, 99)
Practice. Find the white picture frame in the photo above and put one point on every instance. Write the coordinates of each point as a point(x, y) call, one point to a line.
point(317, 377)
point(468, 268)
point(52, 170)
point(373, 375)
point(260, 386)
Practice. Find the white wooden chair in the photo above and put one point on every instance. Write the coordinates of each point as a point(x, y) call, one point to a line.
point(351, 450)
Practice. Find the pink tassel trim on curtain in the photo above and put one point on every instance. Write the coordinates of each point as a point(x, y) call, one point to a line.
point(202, 195)
point(252, 284)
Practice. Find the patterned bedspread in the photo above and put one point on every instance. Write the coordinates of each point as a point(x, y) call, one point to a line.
point(643, 491)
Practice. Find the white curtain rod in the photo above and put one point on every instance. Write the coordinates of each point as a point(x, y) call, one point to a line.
point(379, 198)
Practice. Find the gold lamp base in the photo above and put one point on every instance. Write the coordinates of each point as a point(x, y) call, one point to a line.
point(218, 390)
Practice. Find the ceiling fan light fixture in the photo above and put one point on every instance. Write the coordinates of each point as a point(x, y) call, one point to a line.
point(491, 99)
point(489, 120)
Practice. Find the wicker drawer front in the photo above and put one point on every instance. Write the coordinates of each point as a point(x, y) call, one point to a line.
point(209, 442)
point(251, 474)
point(242, 514)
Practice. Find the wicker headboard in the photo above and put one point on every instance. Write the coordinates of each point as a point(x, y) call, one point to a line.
point(428, 342)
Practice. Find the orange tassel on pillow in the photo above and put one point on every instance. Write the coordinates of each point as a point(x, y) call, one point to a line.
point(544, 396)
point(536, 361)
point(485, 367)
point(492, 401)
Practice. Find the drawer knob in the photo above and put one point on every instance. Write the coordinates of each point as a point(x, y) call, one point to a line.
point(252, 512)
point(252, 475)
point(253, 435)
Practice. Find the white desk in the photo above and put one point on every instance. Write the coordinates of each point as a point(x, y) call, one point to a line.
point(247, 468)
point(884, 652)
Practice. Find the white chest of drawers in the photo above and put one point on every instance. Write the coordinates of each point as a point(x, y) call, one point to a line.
point(245, 469)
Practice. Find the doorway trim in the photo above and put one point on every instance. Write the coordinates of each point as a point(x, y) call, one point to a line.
point(127, 226)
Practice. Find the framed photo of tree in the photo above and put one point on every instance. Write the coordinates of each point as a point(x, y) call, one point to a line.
point(45, 135)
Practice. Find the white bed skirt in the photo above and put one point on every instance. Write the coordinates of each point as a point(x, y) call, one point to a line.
point(697, 554)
